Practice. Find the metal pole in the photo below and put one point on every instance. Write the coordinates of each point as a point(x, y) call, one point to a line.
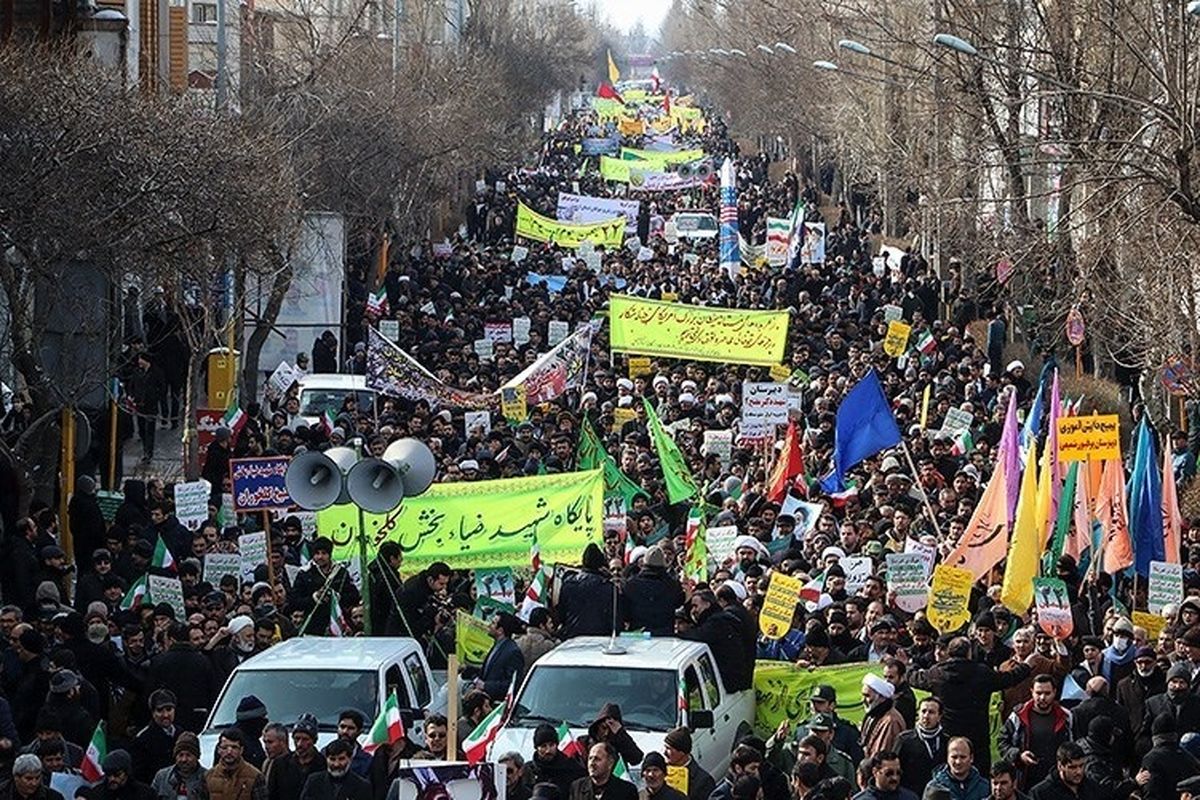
point(221, 86)
point(67, 456)
point(364, 571)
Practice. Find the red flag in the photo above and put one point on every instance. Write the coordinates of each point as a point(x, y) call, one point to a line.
point(788, 466)
point(607, 91)
point(667, 104)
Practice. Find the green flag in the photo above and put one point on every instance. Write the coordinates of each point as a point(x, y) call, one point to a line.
point(680, 484)
point(695, 563)
point(591, 454)
point(1062, 524)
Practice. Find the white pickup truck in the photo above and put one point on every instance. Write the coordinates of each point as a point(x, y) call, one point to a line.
point(323, 676)
point(571, 682)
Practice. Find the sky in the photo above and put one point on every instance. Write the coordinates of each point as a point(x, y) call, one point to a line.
point(624, 14)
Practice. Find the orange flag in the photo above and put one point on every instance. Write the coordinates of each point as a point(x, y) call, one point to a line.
point(1172, 519)
point(1080, 539)
point(1114, 517)
point(985, 541)
point(787, 467)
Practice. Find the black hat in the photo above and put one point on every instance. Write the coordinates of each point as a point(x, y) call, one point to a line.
point(985, 620)
point(654, 759)
point(824, 692)
point(1163, 724)
point(33, 641)
point(817, 637)
point(544, 734)
point(63, 681)
point(250, 707)
point(679, 739)
point(116, 761)
point(593, 557)
point(545, 791)
point(162, 698)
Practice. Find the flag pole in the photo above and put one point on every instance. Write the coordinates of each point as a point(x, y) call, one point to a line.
point(924, 494)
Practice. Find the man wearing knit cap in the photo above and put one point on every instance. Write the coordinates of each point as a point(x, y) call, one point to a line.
point(654, 776)
point(652, 595)
point(185, 777)
point(882, 724)
point(551, 765)
point(118, 782)
point(585, 599)
point(153, 747)
point(677, 748)
point(1176, 702)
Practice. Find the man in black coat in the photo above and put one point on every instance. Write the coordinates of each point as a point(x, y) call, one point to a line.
point(118, 782)
point(1068, 778)
point(922, 749)
point(336, 781)
point(550, 765)
point(324, 354)
point(290, 772)
point(418, 601)
point(311, 580)
point(188, 674)
point(585, 598)
point(504, 665)
point(600, 782)
point(1177, 702)
point(146, 388)
point(966, 687)
point(98, 665)
point(652, 595)
point(22, 566)
point(87, 521)
point(154, 746)
point(1166, 764)
point(1099, 704)
point(720, 630)
point(386, 590)
point(1146, 680)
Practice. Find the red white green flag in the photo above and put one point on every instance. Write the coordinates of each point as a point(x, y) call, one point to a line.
point(377, 302)
point(234, 418)
point(477, 744)
point(568, 745)
point(136, 594)
point(162, 556)
point(337, 622)
point(97, 749)
point(388, 728)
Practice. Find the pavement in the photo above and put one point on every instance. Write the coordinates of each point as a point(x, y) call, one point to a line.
point(168, 456)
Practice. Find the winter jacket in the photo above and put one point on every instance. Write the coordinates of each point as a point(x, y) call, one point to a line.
point(615, 789)
point(882, 726)
point(585, 604)
point(1134, 691)
point(1104, 767)
point(168, 779)
point(243, 783)
point(721, 631)
point(651, 597)
point(973, 787)
point(188, 673)
point(560, 770)
point(534, 644)
point(1053, 788)
point(321, 786)
point(919, 760)
point(1016, 738)
point(1167, 765)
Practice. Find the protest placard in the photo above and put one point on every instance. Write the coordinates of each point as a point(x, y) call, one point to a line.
point(719, 444)
point(496, 583)
point(892, 313)
point(281, 380)
point(779, 606)
point(259, 483)
point(719, 540)
point(1053, 606)
point(1166, 585)
point(498, 331)
point(704, 333)
point(927, 552)
point(191, 503)
point(764, 407)
point(170, 591)
point(218, 565)
point(907, 581)
point(477, 422)
point(858, 569)
point(484, 349)
point(896, 339)
point(638, 365)
point(520, 330)
point(949, 595)
point(1081, 438)
point(390, 329)
point(556, 331)
point(252, 552)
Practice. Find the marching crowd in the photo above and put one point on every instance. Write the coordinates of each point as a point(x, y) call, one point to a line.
point(75, 651)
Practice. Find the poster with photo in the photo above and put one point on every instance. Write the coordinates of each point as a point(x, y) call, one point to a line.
point(450, 780)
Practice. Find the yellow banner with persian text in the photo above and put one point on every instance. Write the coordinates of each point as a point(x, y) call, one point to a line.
point(532, 225)
point(676, 330)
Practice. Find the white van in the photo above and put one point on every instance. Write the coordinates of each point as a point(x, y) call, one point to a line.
point(323, 676)
point(694, 225)
point(325, 392)
point(644, 680)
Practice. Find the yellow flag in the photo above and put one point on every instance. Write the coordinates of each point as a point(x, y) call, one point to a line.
point(614, 74)
point(1044, 510)
point(1016, 591)
point(925, 405)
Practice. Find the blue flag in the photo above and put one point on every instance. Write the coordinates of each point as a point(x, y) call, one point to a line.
point(1145, 503)
point(865, 425)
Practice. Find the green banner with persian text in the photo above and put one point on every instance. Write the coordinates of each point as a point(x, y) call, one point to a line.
point(481, 523)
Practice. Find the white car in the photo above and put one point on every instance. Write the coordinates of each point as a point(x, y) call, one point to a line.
point(325, 392)
point(322, 676)
point(571, 682)
point(694, 225)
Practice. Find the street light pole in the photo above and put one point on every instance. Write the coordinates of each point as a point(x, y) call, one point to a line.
point(222, 79)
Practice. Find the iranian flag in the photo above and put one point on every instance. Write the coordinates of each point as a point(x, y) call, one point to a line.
point(136, 594)
point(97, 749)
point(377, 302)
point(964, 443)
point(162, 556)
point(568, 745)
point(477, 744)
point(388, 727)
point(327, 421)
point(535, 594)
point(926, 343)
point(681, 701)
point(234, 418)
point(337, 622)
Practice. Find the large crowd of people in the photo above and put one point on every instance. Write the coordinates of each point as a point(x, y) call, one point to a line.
point(77, 651)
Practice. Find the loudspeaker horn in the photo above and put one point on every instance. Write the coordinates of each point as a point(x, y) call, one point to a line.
point(317, 480)
point(375, 486)
point(685, 170)
point(703, 169)
point(414, 463)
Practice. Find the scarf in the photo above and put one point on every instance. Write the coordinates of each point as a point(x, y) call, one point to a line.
point(930, 740)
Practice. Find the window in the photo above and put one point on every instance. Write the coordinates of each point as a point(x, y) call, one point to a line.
point(695, 698)
point(708, 674)
point(418, 678)
point(289, 693)
point(204, 13)
point(394, 679)
point(551, 694)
